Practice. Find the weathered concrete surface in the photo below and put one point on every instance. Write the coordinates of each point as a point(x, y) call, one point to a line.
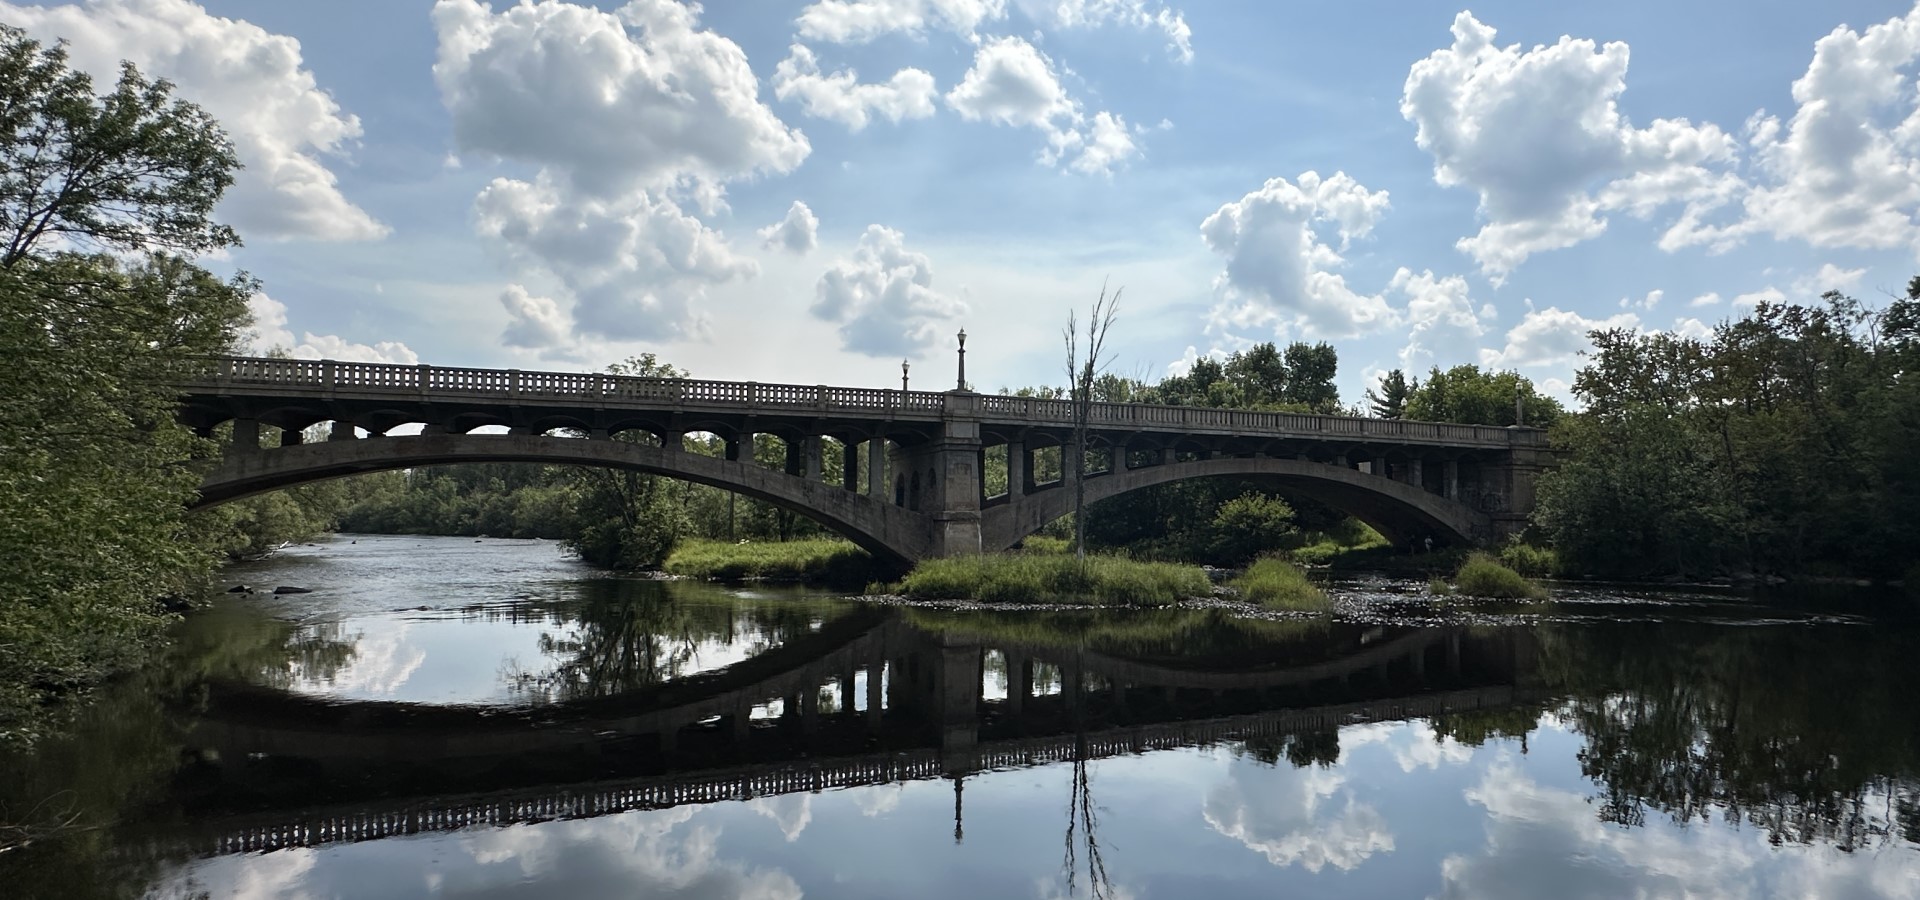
point(1402, 512)
point(925, 466)
point(888, 531)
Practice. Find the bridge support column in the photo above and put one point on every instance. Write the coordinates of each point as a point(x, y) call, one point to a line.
point(1169, 456)
point(1017, 469)
point(740, 447)
point(877, 468)
point(949, 468)
point(1453, 479)
point(958, 697)
point(1019, 680)
point(1379, 466)
point(810, 453)
point(599, 433)
point(1416, 473)
point(246, 435)
point(292, 437)
point(342, 430)
point(673, 440)
point(850, 466)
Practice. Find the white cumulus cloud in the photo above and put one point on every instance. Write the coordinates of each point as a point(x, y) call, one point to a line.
point(1012, 83)
point(1539, 135)
point(1551, 337)
point(798, 232)
point(535, 323)
point(270, 332)
point(1442, 325)
point(1843, 172)
point(840, 97)
point(627, 114)
point(860, 21)
point(882, 297)
point(285, 128)
point(615, 101)
point(1131, 13)
point(638, 266)
point(1281, 257)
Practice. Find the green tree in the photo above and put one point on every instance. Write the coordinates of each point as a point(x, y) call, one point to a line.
point(1389, 400)
point(131, 170)
point(1468, 396)
point(625, 519)
point(94, 474)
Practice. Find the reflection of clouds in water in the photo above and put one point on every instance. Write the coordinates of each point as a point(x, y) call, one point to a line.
point(635, 854)
point(1411, 743)
point(642, 854)
point(382, 661)
point(1304, 816)
point(268, 876)
point(1544, 841)
point(791, 812)
point(879, 799)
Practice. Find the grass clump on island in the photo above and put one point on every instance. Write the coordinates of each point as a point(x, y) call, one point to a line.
point(818, 560)
point(1279, 584)
point(1045, 578)
point(1483, 576)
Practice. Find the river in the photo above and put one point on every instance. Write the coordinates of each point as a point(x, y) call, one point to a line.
point(446, 717)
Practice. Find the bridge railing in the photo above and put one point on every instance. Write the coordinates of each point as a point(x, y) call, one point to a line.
point(597, 388)
point(1149, 415)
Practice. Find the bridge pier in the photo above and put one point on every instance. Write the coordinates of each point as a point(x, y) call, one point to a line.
point(246, 435)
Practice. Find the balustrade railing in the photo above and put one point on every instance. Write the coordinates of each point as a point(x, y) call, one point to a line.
point(334, 377)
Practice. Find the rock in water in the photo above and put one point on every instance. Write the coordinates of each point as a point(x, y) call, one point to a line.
point(289, 589)
point(240, 589)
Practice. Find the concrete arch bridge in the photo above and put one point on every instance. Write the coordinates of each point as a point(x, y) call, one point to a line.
point(914, 476)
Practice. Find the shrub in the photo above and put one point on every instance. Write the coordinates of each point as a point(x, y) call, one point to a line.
point(1534, 562)
point(1277, 583)
point(1027, 578)
point(1483, 576)
point(1439, 587)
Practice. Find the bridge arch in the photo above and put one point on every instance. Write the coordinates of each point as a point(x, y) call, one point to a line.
point(1402, 512)
point(889, 532)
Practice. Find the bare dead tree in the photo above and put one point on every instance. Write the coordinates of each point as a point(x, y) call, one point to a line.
point(1081, 372)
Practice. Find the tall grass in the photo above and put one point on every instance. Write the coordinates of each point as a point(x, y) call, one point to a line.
point(1029, 578)
point(1278, 584)
point(821, 560)
point(1483, 576)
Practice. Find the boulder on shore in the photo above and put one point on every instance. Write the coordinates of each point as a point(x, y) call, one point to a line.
point(289, 589)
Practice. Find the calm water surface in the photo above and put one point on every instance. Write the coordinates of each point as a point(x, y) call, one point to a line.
point(448, 718)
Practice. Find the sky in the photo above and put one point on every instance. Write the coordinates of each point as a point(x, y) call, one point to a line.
point(812, 192)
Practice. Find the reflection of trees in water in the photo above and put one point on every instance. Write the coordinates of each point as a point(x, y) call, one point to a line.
point(1811, 733)
point(625, 635)
point(317, 654)
point(118, 751)
point(1083, 841)
point(1301, 749)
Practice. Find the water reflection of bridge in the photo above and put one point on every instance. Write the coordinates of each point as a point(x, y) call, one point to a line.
point(867, 699)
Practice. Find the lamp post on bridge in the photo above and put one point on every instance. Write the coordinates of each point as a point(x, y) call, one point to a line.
point(962, 385)
point(903, 376)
